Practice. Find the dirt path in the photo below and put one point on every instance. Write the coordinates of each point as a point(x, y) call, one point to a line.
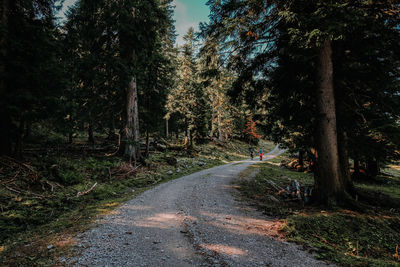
point(191, 221)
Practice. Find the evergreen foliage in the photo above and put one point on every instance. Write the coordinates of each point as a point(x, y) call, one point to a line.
point(277, 48)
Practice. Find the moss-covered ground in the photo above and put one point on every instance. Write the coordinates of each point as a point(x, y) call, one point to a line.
point(41, 212)
point(337, 235)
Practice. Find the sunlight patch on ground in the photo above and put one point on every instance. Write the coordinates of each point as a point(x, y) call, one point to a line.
point(244, 225)
point(66, 240)
point(161, 221)
point(221, 249)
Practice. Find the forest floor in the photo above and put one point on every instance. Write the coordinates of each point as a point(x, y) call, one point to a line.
point(58, 190)
point(341, 236)
point(46, 203)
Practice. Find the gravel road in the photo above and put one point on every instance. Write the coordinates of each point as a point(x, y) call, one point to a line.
point(191, 221)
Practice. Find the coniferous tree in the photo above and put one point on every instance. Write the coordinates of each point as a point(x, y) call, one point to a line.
point(31, 73)
point(265, 37)
point(186, 100)
point(216, 81)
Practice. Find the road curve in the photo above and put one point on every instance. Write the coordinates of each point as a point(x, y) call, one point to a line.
point(191, 221)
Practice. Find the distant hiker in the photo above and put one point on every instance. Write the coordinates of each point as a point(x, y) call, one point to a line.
point(261, 153)
point(251, 153)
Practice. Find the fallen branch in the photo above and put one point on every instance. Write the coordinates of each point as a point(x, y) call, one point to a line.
point(79, 194)
point(53, 185)
point(274, 185)
point(12, 189)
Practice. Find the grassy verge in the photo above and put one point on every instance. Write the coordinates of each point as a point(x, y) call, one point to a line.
point(40, 209)
point(340, 236)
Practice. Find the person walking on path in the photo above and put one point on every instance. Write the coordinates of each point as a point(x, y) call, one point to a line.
point(251, 153)
point(261, 153)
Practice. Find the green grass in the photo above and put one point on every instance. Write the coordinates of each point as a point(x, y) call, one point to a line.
point(37, 217)
point(340, 236)
point(347, 239)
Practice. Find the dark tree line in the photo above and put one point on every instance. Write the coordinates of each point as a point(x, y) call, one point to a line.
point(106, 68)
point(111, 68)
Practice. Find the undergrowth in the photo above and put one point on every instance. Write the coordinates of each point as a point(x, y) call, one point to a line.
point(340, 236)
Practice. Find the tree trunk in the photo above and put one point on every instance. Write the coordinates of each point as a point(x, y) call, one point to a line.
point(5, 119)
point(372, 167)
point(220, 134)
point(19, 139)
point(356, 166)
point(212, 120)
point(70, 137)
point(90, 134)
point(166, 128)
point(328, 186)
point(132, 122)
point(147, 144)
point(28, 130)
point(301, 159)
point(344, 163)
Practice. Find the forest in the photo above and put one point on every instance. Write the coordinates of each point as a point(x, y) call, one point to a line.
point(99, 107)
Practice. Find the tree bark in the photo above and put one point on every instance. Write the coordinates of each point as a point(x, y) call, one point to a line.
point(5, 120)
point(90, 134)
point(28, 130)
point(70, 135)
point(328, 186)
point(219, 125)
point(132, 121)
point(356, 166)
point(166, 128)
point(19, 139)
point(301, 159)
point(372, 167)
point(147, 144)
point(212, 118)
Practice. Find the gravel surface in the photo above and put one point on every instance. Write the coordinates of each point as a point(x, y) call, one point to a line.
point(191, 221)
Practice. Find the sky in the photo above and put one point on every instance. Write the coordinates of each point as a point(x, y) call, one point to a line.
point(188, 13)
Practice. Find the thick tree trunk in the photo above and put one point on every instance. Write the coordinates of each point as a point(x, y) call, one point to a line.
point(328, 186)
point(132, 122)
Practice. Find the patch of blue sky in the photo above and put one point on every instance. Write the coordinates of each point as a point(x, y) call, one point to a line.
point(188, 13)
